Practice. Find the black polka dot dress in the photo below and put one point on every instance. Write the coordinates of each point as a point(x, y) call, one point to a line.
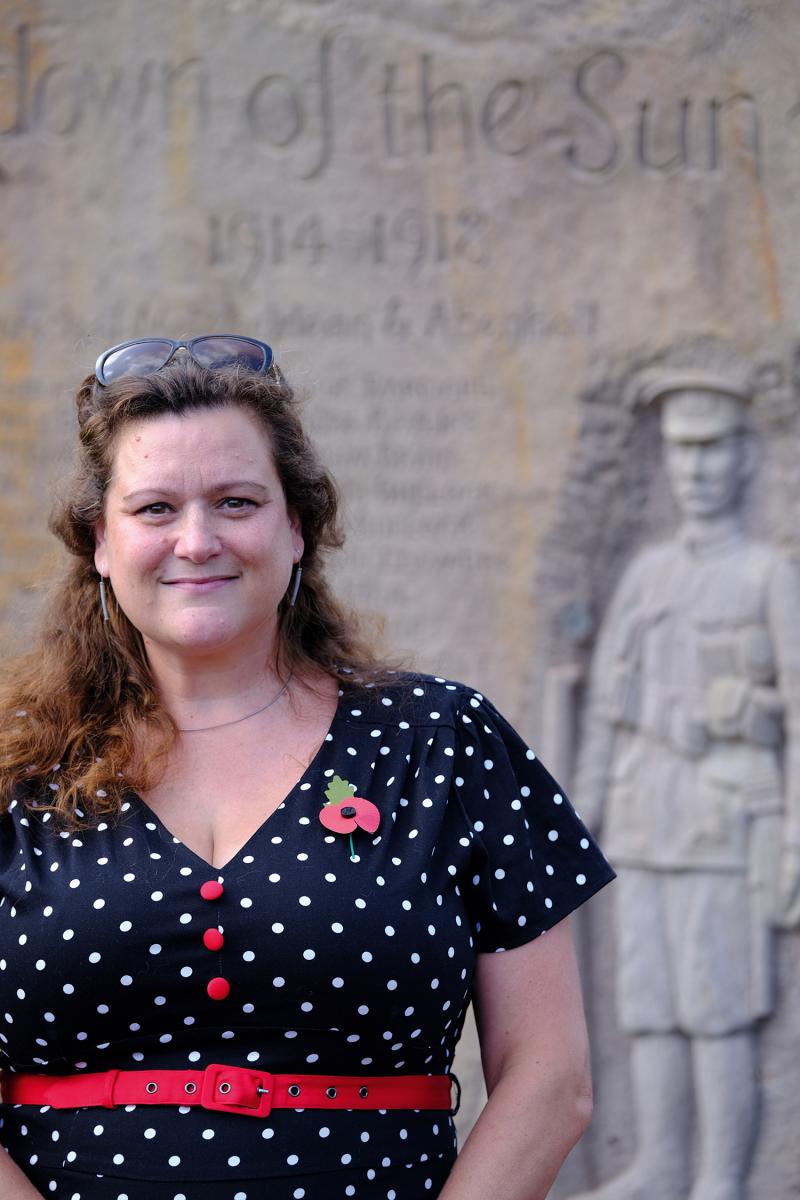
point(325, 955)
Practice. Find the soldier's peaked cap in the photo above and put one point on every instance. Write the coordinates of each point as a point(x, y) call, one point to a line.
point(695, 404)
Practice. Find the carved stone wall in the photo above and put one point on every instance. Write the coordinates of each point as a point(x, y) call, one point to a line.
point(463, 227)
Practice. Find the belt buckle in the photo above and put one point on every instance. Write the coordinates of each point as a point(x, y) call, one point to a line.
point(237, 1090)
point(455, 1081)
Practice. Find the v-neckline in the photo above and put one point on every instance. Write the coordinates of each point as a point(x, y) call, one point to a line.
point(171, 838)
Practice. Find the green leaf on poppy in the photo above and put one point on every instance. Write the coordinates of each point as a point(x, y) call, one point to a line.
point(339, 790)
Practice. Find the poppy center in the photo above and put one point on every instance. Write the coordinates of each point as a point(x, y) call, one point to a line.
point(348, 810)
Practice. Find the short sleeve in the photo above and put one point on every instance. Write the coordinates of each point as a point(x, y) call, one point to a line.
point(534, 861)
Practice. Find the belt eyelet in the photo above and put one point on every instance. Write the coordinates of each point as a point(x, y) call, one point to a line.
point(294, 1089)
point(190, 1088)
point(330, 1093)
point(225, 1087)
point(363, 1092)
point(151, 1088)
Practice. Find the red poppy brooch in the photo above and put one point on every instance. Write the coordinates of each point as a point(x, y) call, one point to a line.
point(344, 812)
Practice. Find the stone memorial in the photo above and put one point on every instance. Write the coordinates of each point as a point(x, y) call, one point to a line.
point(695, 689)
point(477, 235)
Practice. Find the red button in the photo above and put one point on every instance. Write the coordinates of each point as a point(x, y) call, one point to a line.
point(218, 988)
point(212, 890)
point(213, 939)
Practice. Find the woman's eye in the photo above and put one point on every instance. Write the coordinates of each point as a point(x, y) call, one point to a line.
point(155, 510)
point(237, 503)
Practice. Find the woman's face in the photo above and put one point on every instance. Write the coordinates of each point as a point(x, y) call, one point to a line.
point(196, 536)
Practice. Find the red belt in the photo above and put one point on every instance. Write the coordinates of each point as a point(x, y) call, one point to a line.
point(229, 1089)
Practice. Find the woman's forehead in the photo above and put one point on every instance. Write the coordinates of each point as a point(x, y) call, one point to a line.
point(201, 442)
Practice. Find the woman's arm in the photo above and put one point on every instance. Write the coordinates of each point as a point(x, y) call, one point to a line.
point(535, 1054)
point(14, 1184)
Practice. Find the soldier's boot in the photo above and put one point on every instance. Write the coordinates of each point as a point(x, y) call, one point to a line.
point(637, 1183)
point(660, 1072)
point(727, 1114)
point(718, 1189)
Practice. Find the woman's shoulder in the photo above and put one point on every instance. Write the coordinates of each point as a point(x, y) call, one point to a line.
point(409, 698)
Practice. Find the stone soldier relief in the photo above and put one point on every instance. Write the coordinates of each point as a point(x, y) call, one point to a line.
point(689, 762)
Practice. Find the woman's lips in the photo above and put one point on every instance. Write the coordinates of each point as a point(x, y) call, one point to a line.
point(198, 586)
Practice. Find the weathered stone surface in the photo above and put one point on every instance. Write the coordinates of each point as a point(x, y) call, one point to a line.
point(464, 227)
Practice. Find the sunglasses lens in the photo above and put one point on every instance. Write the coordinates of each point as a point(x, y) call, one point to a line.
point(231, 352)
point(141, 358)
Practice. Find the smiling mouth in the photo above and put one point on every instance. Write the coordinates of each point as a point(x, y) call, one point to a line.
point(210, 581)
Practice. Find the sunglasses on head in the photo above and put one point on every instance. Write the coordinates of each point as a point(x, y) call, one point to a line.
point(145, 356)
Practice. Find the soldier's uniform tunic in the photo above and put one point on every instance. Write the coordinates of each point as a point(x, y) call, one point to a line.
point(696, 687)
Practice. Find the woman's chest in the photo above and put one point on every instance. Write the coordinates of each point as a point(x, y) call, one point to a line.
point(214, 795)
point(115, 934)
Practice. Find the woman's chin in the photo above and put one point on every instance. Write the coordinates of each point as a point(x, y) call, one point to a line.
point(207, 635)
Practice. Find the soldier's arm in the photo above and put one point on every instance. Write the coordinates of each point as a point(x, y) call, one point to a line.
point(783, 613)
point(598, 726)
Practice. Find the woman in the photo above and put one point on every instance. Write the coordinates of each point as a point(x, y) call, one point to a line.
point(232, 837)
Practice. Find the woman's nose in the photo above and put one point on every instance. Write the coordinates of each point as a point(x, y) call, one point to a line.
point(197, 538)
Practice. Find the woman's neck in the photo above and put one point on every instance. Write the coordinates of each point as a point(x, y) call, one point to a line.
point(205, 689)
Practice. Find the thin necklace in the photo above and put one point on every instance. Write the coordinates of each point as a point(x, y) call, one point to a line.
point(237, 720)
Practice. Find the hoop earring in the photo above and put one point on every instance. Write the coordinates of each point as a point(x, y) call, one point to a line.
point(297, 575)
point(103, 598)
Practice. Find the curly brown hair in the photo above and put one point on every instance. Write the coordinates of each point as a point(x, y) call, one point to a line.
point(77, 703)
